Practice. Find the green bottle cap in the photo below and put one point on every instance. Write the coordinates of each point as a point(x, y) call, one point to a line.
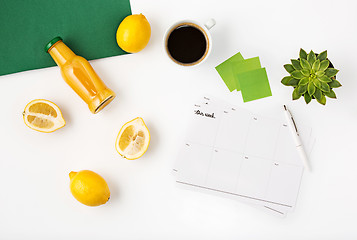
point(52, 42)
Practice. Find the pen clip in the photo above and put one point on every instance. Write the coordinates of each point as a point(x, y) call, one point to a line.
point(294, 125)
point(292, 119)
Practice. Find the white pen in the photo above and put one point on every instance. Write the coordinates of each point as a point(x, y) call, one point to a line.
point(296, 135)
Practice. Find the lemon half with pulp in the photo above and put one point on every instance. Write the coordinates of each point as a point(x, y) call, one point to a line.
point(133, 139)
point(43, 116)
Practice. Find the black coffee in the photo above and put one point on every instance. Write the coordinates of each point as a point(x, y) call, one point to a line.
point(187, 44)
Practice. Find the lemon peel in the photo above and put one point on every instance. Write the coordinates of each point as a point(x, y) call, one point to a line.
point(133, 33)
point(89, 188)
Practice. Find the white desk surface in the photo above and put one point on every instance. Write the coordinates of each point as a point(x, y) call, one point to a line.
point(35, 201)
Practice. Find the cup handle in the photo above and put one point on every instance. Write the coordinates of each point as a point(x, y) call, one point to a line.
point(210, 23)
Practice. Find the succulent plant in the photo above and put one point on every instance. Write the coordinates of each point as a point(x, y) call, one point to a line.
point(312, 76)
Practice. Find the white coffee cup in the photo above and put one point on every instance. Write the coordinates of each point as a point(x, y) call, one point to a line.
point(203, 28)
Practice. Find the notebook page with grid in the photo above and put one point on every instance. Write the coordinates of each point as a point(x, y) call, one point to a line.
point(241, 155)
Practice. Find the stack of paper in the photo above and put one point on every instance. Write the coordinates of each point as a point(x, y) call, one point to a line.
point(234, 153)
point(245, 75)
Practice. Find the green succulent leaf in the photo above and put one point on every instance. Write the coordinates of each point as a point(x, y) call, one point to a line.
point(307, 98)
point(311, 58)
point(305, 72)
point(324, 65)
point(318, 94)
point(324, 79)
point(331, 72)
point(297, 74)
point(311, 88)
point(322, 100)
point(322, 56)
point(316, 65)
point(303, 54)
point(317, 83)
point(334, 83)
point(330, 94)
point(305, 64)
point(286, 80)
point(302, 89)
point(304, 81)
point(296, 94)
point(320, 73)
point(289, 68)
point(294, 82)
point(296, 64)
point(325, 87)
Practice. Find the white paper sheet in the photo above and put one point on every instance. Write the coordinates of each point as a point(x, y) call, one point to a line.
point(234, 153)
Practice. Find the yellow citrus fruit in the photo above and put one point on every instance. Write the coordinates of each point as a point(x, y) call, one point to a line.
point(133, 33)
point(89, 188)
point(43, 116)
point(133, 139)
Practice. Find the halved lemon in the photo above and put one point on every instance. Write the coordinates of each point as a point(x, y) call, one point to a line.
point(133, 139)
point(43, 116)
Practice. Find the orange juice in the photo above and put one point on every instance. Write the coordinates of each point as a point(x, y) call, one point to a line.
point(80, 75)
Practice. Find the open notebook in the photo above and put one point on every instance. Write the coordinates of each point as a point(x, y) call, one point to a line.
point(232, 152)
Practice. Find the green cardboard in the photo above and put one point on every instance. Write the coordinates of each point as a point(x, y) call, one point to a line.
point(244, 66)
point(225, 70)
point(254, 84)
point(87, 27)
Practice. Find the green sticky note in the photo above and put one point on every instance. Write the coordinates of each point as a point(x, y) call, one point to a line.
point(87, 27)
point(225, 70)
point(244, 66)
point(254, 84)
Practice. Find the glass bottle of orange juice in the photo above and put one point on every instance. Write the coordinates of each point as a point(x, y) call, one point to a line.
point(80, 75)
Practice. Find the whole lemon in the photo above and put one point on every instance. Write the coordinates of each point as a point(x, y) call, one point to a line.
point(133, 33)
point(89, 188)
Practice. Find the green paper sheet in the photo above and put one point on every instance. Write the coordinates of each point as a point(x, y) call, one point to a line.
point(225, 70)
point(244, 66)
point(87, 27)
point(254, 84)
